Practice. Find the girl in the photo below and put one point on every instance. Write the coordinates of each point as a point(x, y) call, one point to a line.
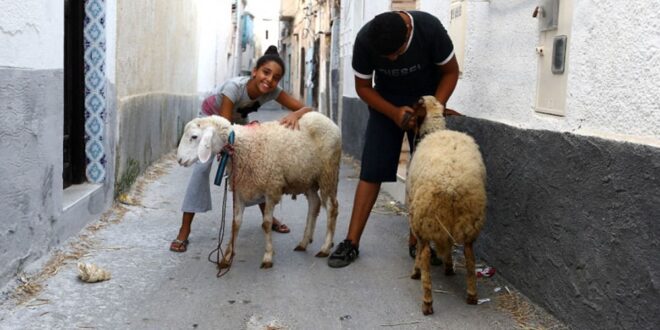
point(234, 100)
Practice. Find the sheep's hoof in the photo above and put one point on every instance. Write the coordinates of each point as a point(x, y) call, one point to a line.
point(427, 308)
point(266, 265)
point(472, 299)
point(223, 264)
point(449, 272)
point(416, 275)
point(300, 248)
point(322, 254)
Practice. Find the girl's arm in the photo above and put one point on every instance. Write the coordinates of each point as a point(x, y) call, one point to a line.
point(226, 107)
point(298, 108)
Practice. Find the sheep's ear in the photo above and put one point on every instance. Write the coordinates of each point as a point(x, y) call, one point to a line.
point(205, 145)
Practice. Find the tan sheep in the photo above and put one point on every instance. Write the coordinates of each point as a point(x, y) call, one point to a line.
point(446, 198)
point(270, 160)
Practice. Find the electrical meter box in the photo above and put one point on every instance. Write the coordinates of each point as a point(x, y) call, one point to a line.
point(555, 18)
point(548, 15)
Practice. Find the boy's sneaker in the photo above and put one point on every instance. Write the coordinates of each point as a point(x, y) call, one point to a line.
point(345, 253)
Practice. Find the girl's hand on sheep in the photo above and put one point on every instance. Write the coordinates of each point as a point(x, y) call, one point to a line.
point(291, 120)
point(407, 118)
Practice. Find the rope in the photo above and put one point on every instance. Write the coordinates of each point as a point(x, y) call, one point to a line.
point(225, 154)
point(220, 255)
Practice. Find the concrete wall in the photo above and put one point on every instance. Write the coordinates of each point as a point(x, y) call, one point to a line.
point(573, 199)
point(37, 213)
point(572, 222)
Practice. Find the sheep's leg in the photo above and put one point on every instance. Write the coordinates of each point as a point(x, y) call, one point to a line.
point(267, 226)
point(332, 210)
point(471, 274)
point(235, 226)
point(424, 255)
point(445, 248)
point(416, 273)
point(313, 208)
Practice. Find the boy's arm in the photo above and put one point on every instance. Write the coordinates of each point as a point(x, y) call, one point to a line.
point(448, 80)
point(399, 115)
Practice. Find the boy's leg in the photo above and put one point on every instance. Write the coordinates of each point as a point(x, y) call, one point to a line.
point(366, 194)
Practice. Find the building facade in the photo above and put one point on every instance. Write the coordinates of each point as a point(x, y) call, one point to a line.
point(94, 91)
point(309, 44)
point(563, 104)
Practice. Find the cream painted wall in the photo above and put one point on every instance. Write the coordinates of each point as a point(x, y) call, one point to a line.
point(215, 36)
point(613, 72)
point(31, 34)
point(157, 47)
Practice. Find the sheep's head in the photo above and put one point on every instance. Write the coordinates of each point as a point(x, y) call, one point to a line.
point(431, 114)
point(202, 137)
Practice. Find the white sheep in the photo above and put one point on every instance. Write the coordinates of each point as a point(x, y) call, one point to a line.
point(270, 160)
point(446, 198)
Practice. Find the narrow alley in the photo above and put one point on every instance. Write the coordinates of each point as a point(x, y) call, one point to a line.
point(154, 288)
point(559, 98)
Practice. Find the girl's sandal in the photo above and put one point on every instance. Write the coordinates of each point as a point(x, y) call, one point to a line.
point(179, 245)
point(280, 228)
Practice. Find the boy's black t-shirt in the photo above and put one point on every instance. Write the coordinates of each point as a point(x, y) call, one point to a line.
point(415, 72)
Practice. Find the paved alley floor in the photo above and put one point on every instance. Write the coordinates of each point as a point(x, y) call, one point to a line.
point(153, 288)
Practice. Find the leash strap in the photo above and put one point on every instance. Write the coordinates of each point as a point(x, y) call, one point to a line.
point(226, 152)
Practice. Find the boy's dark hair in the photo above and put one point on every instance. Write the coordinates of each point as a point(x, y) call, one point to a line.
point(271, 54)
point(387, 33)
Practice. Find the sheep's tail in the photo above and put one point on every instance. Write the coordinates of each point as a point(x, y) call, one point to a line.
point(458, 214)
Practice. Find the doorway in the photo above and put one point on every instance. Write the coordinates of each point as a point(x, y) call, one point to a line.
point(73, 170)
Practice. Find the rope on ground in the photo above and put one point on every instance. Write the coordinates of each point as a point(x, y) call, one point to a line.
point(220, 255)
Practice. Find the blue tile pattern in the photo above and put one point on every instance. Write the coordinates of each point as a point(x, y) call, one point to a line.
point(95, 103)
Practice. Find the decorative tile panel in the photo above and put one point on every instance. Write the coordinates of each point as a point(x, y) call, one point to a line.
point(95, 103)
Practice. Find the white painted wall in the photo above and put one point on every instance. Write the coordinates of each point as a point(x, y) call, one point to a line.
point(612, 76)
point(613, 67)
point(32, 34)
point(215, 35)
point(266, 17)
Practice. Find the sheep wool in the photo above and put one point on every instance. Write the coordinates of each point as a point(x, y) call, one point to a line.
point(270, 160)
point(446, 196)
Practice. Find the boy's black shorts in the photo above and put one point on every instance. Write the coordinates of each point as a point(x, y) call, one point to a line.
point(382, 148)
